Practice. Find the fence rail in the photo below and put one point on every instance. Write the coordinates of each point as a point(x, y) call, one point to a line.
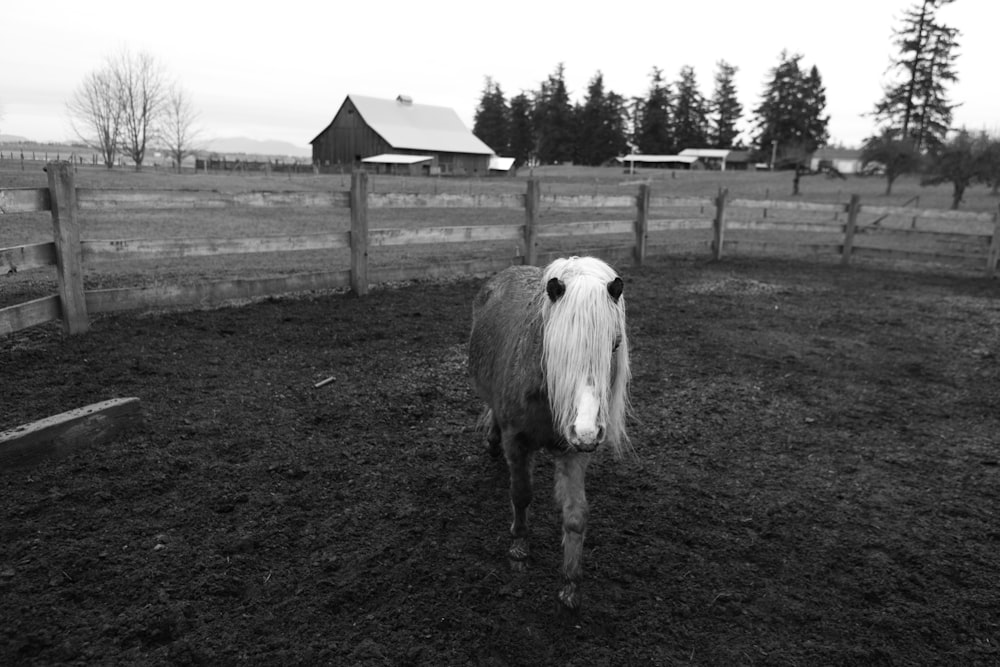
point(729, 226)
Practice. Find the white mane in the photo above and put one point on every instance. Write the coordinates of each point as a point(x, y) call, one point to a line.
point(581, 330)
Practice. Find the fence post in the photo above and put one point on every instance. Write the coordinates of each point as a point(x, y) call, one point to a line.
point(641, 223)
point(359, 233)
point(994, 253)
point(66, 233)
point(852, 223)
point(532, 202)
point(719, 224)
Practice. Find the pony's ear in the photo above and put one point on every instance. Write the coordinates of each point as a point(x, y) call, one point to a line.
point(615, 288)
point(555, 289)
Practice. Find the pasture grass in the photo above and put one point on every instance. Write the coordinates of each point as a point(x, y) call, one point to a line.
point(555, 180)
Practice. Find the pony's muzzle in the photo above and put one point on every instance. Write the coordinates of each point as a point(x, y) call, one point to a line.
point(586, 440)
point(586, 432)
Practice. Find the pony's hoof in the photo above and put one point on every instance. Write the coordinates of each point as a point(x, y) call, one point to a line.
point(518, 555)
point(570, 597)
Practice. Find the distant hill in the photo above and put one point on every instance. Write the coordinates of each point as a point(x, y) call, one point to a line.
point(12, 139)
point(256, 147)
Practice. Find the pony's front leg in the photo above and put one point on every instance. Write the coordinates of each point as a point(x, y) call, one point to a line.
point(571, 469)
point(519, 459)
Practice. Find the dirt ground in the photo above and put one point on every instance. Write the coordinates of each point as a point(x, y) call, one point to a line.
point(817, 482)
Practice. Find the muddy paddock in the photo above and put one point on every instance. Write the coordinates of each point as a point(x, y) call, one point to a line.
point(816, 483)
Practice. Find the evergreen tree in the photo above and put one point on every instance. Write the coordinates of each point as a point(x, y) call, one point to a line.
point(726, 109)
point(690, 112)
point(522, 132)
point(918, 104)
point(933, 116)
point(554, 120)
point(600, 125)
point(615, 136)
point(655, 133)
point(789, 119)
point(492, 119)
point(814, 104)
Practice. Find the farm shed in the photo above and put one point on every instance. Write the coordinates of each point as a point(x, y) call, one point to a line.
point(397, 165)
point(503, 166)
point(661, 161)
point(844, 160)
point(738, 160)
point(713, 158)
point(366, 127)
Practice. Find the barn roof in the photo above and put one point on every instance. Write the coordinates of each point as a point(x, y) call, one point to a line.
point(423, 127)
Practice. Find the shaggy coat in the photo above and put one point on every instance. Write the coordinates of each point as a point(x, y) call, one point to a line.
point(528, 353)
point(549, 357)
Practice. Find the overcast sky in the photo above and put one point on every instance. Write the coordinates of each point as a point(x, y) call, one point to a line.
point(280, 70)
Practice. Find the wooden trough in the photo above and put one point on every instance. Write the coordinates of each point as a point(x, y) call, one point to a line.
point(62, 434)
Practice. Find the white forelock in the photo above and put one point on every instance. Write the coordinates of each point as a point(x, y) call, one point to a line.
point(581, 329)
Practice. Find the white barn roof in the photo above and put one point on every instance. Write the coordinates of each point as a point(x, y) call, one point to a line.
point(422, 127)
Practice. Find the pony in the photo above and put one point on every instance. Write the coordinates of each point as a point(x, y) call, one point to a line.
point(548, 354)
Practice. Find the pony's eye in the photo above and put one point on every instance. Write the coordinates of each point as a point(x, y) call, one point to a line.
point(618, 341)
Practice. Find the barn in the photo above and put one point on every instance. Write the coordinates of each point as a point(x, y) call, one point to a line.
point(387, 135)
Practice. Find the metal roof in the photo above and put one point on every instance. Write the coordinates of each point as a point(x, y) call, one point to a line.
point(422, 127)
point(395, 158)
point(716, 153)
point(501, 163)
point(654, 159)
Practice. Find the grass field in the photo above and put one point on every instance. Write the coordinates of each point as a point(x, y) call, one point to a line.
point(555, 179)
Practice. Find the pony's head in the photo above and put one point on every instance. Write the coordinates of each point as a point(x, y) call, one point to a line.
point(585, 353)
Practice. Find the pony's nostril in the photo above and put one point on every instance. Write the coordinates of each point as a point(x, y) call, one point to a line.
point(600, 434)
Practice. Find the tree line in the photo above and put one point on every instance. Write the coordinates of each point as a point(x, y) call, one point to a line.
point(545, 127)
point(913, 133)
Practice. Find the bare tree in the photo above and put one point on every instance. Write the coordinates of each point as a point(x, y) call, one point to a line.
point(896, 153)
point(142, 88)
point(959, 161)
point(96, 113)
point(177, 131)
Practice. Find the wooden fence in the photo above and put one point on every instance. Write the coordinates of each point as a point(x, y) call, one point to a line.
point(714, 226)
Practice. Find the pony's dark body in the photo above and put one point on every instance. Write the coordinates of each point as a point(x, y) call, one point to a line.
point(515, 393)
point(514, 361)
